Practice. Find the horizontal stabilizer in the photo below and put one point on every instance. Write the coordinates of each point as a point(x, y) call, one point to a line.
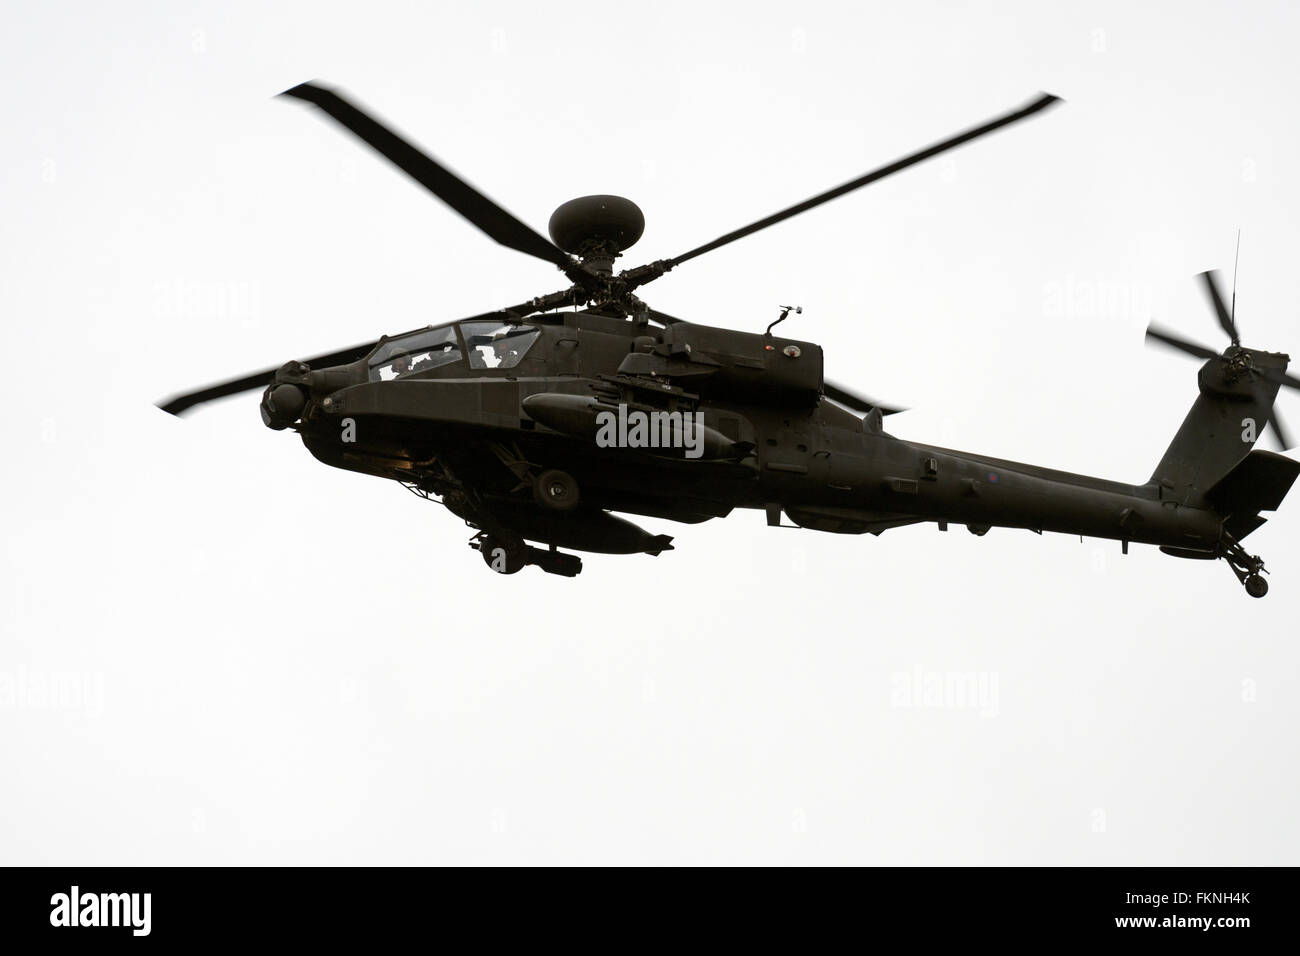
point(1258, 483)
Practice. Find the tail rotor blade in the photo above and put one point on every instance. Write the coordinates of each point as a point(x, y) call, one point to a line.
point(1215, 295)
point(1282, 378)
point(1155, 333)
point(1280, 431)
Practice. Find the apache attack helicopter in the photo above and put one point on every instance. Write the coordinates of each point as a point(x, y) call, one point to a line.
point(536, 425)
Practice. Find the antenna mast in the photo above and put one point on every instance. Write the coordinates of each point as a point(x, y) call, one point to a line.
point(1235, 259)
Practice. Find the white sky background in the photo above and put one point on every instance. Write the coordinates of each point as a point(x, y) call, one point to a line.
point(272, 661)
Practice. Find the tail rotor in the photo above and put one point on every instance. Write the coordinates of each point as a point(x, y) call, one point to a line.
point(1235, 355)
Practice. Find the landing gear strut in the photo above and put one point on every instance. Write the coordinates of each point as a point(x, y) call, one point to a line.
point(1249, 568)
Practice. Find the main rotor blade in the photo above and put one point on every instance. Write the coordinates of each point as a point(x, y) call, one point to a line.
point(433, 176)
point(1220, 308)
point(180, 403)
point(1042, 102)
point(1180, 343)
point(1280, 431)
point(855, 401)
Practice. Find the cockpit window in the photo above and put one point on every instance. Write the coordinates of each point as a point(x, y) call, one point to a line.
point(497, 344)
point(416, 352)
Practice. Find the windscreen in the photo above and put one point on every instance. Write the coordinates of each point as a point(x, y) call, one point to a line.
point(416, 352)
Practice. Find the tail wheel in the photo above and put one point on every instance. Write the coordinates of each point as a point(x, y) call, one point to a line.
point(500, 557)
point(1256, 586)
point(557, 490)
point(1249, 568)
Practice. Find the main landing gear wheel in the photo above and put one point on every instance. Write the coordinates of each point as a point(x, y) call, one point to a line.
point(1256, 586)
point(500, 557)
point(557, 490)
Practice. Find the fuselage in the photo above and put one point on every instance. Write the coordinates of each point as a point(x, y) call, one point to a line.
point(462, 421)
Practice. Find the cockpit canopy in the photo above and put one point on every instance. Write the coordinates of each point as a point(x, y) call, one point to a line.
point(497, 344)
point(487, 344)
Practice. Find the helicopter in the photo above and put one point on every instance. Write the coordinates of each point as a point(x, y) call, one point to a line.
point(543, 423)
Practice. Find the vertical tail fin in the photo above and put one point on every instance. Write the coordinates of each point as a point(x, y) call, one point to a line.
point(1227, 418)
